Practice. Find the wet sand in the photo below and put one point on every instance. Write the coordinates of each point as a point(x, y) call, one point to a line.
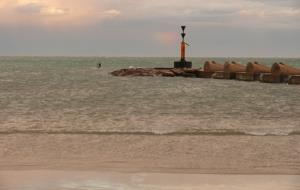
point(201, 154)
point(148, 162)
point(87, 180)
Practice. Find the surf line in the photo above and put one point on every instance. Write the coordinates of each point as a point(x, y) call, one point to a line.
point(141, 133)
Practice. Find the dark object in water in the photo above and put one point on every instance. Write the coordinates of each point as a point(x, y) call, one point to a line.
point(99, 65)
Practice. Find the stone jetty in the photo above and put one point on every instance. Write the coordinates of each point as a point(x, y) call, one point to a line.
point(162, 72)
point(253, 71)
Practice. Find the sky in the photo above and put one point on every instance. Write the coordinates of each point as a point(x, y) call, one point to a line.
point(215, 28)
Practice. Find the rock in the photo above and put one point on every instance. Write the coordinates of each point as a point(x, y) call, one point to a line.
point(178, 72)
point(203, 74)
point(219, 75)
point(192, 73)
point(133, 72)
point(244, 76)
point(269, 78)
point(229, 76)
point(164, 72)
point(294, 79)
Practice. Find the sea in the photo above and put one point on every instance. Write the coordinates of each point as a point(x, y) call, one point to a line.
point(72, 95)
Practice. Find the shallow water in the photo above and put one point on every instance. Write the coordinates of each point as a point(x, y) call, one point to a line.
point(63, 95)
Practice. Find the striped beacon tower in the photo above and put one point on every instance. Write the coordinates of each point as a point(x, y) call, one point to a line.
point(183, 63)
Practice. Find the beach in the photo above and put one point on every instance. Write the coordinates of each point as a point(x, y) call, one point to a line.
point(70, 180)
point(129, 162)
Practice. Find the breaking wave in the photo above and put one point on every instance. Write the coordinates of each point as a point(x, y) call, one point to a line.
point(220, 132)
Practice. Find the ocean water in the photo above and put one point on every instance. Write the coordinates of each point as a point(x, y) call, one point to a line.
point(67, 95)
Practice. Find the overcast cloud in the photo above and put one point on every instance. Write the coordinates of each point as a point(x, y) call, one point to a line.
point(149, 28)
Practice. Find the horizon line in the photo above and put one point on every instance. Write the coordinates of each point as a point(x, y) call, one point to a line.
point(137, 56)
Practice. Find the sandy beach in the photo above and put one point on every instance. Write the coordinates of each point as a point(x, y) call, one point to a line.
point(89, 180)
point(148, 162)
point(143, 162)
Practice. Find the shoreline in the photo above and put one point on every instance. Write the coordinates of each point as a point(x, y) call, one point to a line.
point(45, 179)
point(277, 155)
point(216, 132)
point(174, 171)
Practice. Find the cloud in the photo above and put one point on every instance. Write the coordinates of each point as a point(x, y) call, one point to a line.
point(29, 8)
point(39, 8)
point(243, 13)
point(258, 13)
point(55, 12)
point(111, 13)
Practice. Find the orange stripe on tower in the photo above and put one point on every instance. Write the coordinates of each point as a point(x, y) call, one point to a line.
point(182, 50)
